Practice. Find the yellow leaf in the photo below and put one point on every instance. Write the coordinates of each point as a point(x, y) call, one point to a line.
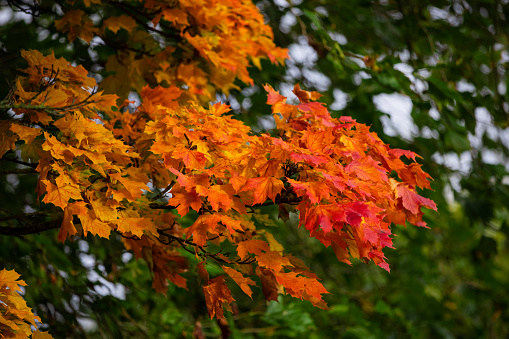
point(59, 196)
point(116, 23)
point(93, 225)
point(102, 210)
point(136, 226)
point(67, 227)
point(41, 335)
point(28, 134)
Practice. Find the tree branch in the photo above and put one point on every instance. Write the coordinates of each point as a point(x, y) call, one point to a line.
point(290, 200)
point(36, 228)
point(28, 164)
point(18, 171)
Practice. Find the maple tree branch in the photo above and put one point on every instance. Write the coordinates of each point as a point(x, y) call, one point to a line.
point(161, 206)
point(291, 201)
point(17, 171)
point(130, 10)
point(47, 109)
point(28, 164)
point(160, 195)
point(30, 10)
point(31, 229)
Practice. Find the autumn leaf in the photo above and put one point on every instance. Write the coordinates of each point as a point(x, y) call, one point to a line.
point(118, 22)
point(16, 318)
point(242, 281)
point(135, 226)
point(412, 201)
point(59, 196)
point(91, 224)
point(263, 187)
point(217, 295)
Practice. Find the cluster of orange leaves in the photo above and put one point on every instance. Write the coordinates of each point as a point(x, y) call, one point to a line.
point(205, 45)
point(16, 318)
point(102, 166)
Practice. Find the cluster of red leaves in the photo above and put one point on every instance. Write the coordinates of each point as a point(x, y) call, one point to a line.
point(206, 46)
point(96, 165)
point(16, 318)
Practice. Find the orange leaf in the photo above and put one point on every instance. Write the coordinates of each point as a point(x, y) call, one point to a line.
point(136, 226)
point(185, 200)
point(413, 201)
point(242, 281)
point(217, 295)
point(263, 187)
point(94, 225)
point(67, 228)
point(28, 134)
point(59, 196)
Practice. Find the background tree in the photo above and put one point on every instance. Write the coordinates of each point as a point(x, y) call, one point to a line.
point(449, 59)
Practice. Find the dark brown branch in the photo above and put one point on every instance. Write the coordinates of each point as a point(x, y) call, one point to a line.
point(24, 216)
point(31, 229)
point(18, 171)
point(28, 164)
point(160, 195)
point(292, 201)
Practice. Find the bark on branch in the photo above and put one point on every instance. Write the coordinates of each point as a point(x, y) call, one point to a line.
point(31, 229)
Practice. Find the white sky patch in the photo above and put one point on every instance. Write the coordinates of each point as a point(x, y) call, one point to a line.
point(107, 287)
point(460, 163)
point(5, 15)
point(399, 108)
point(338, 37)
point(266, 122)
point(303, 54)
point(88, 324)
point(287, 21)
point(126, 257)
point(465, 86)
point(340, 100)
point(133, 96)
point(319, 80)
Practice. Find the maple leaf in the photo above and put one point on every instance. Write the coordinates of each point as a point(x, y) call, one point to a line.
point(263, 187)
point(7, 137)
point(59, 196)
point(136, 226)
point(91, 224)
point(303, 287)
point(116, 23)
point(413, 201)
point(367, 169)
point(217, 295)
point(28, 134)
point(242, 281)
point(314, 191)
point(41, 335)
point(67, 228)
point(305, 96)
point(78, 25)
point(184, 200)
point(191, 158)
point(16, 318)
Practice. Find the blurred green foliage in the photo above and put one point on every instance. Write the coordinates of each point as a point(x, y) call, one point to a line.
point(448, 60)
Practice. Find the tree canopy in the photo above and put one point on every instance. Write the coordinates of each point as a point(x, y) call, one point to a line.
point(115, 123)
